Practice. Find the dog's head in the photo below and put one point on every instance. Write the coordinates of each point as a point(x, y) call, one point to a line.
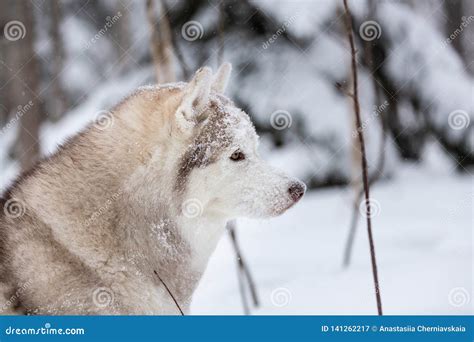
point(220, 170)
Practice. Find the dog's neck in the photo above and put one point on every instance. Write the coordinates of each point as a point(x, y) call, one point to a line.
point(175, 247)
point(202, 234)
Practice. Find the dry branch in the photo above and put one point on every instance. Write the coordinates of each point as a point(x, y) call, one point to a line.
point(355, 98)
point(169, 292)
point(243, 271)
point(369, 56)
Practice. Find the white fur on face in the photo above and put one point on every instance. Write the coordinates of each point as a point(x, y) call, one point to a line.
point(244, 188)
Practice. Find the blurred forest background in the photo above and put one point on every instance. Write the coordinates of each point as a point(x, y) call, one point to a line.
point(63, 63)
point(288, 56)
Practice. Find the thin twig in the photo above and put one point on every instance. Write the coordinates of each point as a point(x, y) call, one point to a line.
point(241, 280)
point(365, 177)
point(243, 269)
point(251, 282)
point(379, 169)
point(170, 293)
point(352, 231)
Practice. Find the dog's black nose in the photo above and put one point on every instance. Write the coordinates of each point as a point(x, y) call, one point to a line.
point(296, 190)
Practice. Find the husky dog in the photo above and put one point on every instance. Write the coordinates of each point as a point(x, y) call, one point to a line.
point(124, 217)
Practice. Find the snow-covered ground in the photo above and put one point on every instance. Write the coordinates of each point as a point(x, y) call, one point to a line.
point(423, 229)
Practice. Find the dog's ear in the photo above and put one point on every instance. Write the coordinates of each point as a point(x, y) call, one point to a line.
point(195, 99)
point(219, 84)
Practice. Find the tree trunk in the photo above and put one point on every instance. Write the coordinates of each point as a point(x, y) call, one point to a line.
point(161, 44)
point(24, 86)
point(59, 98)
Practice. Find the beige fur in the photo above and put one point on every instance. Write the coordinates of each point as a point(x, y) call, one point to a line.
point(104, 215)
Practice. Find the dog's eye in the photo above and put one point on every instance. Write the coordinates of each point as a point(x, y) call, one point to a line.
point(237, 156)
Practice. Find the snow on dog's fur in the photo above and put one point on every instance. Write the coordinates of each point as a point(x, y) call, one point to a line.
point(148, 197)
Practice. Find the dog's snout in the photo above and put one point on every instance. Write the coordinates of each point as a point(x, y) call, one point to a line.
point(296, 190)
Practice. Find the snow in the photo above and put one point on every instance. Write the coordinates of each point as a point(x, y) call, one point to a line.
point(433, 68)
point(303, 18)
point(424, 228)
point(423, 236)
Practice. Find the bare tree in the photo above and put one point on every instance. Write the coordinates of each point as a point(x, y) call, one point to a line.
point(176, 48)
point(161, 44)
point(122, 35)
point(4, 72)
point(23, 84)
point(59, 98)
